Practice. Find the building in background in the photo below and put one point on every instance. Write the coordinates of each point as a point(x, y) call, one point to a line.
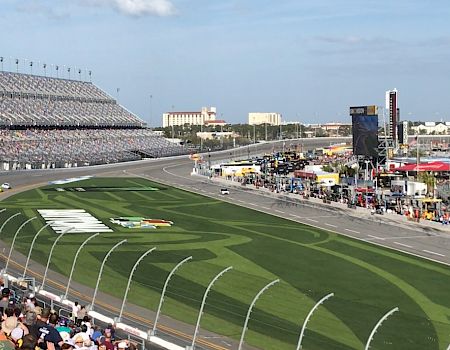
point(258, 118)
point(394, 114)
point(190, 118)
point(432, 128)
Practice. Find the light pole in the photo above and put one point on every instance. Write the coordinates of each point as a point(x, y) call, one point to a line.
point(14, 240)
point(7, 220)
point(101, 271)
point(51, 252)
point(200, 313)
point(302, 332)
point(75, 261)
point(31, 248)
point(377, 326)
point(151, 110)
point(250, 310)
point(130, 278)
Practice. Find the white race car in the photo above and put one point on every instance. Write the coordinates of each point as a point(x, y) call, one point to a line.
point(6, 186)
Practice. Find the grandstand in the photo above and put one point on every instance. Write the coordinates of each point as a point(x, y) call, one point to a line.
point(49, 122)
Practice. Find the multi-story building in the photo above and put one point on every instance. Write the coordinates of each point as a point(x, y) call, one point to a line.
point(190, 118)
point(258, 118)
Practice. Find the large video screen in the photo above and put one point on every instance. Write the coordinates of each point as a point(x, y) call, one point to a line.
point(365, 135)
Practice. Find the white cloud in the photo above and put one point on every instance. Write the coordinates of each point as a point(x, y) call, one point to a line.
point(145, 7)
point(136, 8)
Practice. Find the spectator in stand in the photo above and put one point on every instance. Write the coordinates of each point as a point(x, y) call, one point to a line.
point(75, 310)
point(4, 301)
point(96, 333)
point(86, 322)
point(29, 320)
point(48, 337)
point(81, 315)
point(108, 342)
point(6, 343)
point(29, 342)
point(17, 335)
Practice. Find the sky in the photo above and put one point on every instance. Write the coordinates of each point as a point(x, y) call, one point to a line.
point(308, 60)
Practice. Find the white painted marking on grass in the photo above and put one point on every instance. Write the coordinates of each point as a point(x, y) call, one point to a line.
point(330, 225)
point(403, 244)
point(279, 211)
point(376, 237)
point(347, 229)
point(312, 220)
point(434, 253)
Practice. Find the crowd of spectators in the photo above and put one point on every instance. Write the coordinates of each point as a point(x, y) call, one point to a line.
point(27, 326)
point(43, 101)
point(51, 123)
point(79, 147)
point(37, 111)
point(39, 85)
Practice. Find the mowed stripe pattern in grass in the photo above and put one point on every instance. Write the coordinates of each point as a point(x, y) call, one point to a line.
point(367, 280)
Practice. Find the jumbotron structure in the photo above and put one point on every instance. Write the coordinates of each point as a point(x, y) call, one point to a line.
point(48, 122)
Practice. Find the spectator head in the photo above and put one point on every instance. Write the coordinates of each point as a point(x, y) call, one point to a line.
point(122, 345)
point(17, 312)
point(9, 324)
point(5, 292)
point(38, 310)
point(107, 333)
point(83, 328)
point(53, 319)
point(16, 334)
point(29, 342)
point(78, 340)
point(45, 313)
point(30, 318)
point(8, 312)
point(67, 346)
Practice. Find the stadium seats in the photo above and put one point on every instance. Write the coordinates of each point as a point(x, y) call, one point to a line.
point(48, 122)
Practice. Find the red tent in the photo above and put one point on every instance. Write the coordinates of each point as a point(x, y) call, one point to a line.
point(432, 166)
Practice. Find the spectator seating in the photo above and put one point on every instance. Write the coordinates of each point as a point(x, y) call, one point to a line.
point(48, 122)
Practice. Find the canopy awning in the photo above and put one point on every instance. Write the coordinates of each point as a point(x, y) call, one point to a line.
point(432, 166)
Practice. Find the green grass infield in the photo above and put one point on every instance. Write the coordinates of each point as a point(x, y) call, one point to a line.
point(367, 280)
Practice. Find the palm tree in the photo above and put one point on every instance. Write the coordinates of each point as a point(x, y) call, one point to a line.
point(428, 179)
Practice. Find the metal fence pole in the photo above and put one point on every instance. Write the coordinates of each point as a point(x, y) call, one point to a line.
point(153, 331)
point(250, 310)
point(75, 261)
point(7, 220)
point(130, 278)
point(197, 325)
point(31, 248)
point(377, 326)
point(101, 271)
point(299, 345)
point(14, 240)
point(51, 252)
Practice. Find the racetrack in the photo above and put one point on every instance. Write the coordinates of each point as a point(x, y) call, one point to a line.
point(175, 172)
